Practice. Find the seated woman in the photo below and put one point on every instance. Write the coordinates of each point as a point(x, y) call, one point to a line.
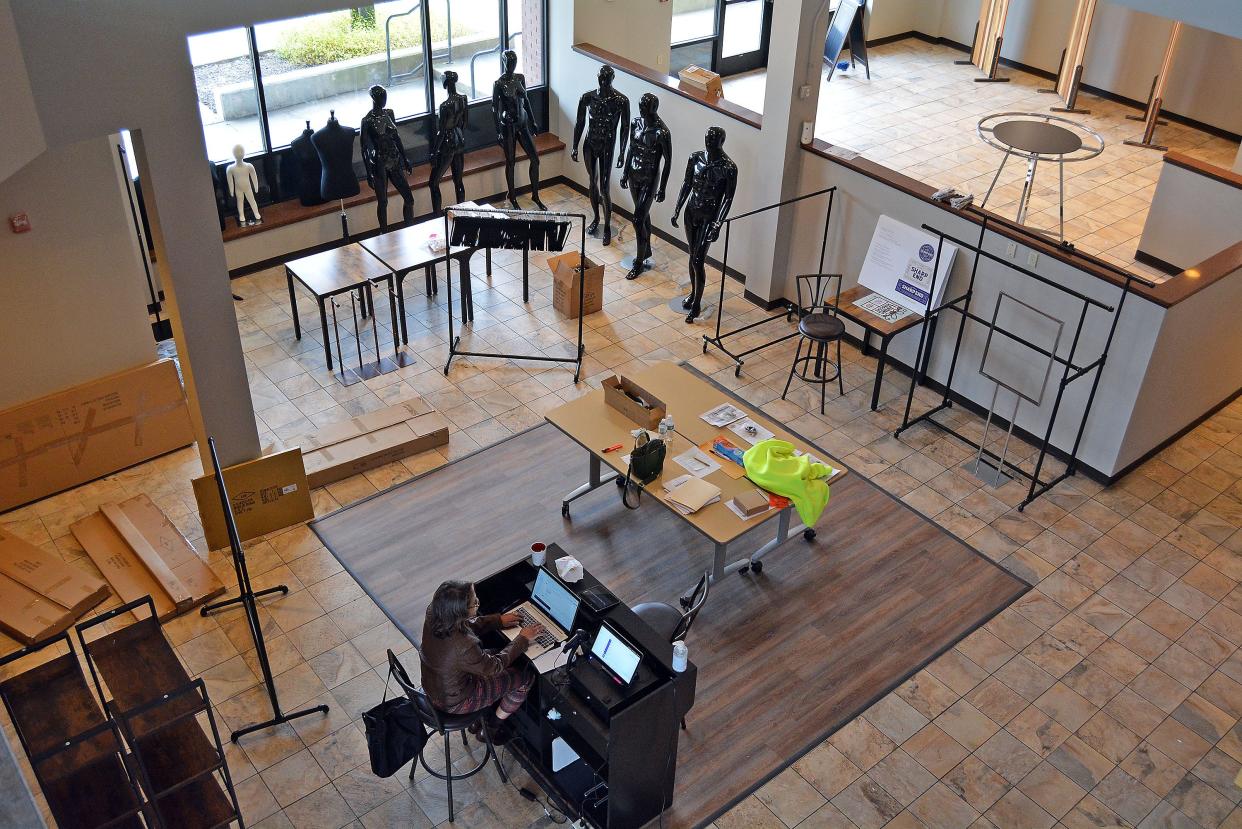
point(458, 675)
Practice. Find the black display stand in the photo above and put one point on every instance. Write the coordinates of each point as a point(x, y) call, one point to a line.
point(247, 599)
point(718, 340)
point(1072, 369)
point(517, 216)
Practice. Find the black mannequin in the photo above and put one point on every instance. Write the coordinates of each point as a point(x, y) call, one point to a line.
point(384, 158)
point(335, 145)
point(515, 124)
point(449, 144)
point(608, 109)
point(711, 179)
point(309, 170)
point(650, 143)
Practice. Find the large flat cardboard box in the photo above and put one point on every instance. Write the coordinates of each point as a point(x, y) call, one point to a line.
point(372, 440)
point(267, 494)
point(90, 430)
point(566, 269)
point(41, 595)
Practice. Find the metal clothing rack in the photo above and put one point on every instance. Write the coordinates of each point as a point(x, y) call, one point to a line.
point(539, 215)
point(718, 339)
point(1072, 370)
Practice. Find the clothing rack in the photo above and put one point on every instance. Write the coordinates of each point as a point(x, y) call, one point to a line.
point(718, 340)
point(516, 238)
point(1072, 369)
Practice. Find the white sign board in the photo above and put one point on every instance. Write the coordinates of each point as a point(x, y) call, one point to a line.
point(899, 265)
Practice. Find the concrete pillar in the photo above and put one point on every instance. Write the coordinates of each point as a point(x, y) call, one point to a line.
point(795, 59)
point(190, 258)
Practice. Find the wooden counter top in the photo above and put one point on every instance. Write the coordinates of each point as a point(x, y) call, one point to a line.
point(1221, 174)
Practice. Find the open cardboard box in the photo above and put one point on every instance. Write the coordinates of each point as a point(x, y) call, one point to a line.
point(267, 494)
point(565, 276)
point(41, 595)
point(616, 396)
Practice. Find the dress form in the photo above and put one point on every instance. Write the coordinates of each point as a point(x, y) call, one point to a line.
point(243, 185)
point(711, 179)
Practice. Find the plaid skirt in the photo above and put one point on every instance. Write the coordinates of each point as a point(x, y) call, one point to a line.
point(509, 687)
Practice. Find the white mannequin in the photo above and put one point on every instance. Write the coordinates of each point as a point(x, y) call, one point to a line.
point(243, 184)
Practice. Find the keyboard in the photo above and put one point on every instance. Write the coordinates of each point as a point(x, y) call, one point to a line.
point(545, 639)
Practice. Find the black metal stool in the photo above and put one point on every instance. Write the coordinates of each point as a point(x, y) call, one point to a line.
point(445, 724)
point(819, 325)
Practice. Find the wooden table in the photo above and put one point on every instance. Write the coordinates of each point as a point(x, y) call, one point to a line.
point(594, 425)
point(873, 324)
point(337, 271)
point(405, 249)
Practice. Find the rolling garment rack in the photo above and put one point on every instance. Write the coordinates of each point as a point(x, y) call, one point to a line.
point(246, 599)
point(718, 340)
point(515, 237)
point(1071, 369)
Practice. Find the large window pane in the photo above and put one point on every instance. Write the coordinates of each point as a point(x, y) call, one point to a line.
point(465, 37)
point(693, 20)
point(323, 62)
point(526, 38)
point(224, 76)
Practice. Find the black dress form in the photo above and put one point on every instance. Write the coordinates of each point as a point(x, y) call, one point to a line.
point(335, 145)
point(309, 170)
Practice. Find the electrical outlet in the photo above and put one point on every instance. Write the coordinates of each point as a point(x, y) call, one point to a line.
point(804, 91)
point(808, 132)
point(1011, 250)
point(1032, 259)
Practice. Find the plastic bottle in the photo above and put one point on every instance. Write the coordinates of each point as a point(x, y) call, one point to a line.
point(681, 655)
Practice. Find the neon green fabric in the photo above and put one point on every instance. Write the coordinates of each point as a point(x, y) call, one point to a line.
point(772, 464)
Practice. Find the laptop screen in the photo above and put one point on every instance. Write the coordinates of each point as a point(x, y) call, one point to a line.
point(555, 599)
point(616, 654)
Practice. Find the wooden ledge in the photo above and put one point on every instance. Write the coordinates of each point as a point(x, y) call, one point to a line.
point(1194, 165)
point(291, 211)
point(1165, 294)
point(672, 84)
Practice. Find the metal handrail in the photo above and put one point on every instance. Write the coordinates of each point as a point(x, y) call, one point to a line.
point(448, 12)
point(477, 55)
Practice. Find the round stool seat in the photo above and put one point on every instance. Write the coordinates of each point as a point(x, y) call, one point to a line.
point(457, 722)
point(662, 618)
point(823, 327)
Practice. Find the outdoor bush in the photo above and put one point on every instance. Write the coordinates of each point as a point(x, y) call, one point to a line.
point(331, 39)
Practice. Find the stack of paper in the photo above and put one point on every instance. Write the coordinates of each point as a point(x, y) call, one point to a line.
point(689, 494)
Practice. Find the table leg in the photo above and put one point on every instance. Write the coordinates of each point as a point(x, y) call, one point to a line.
point(1027, 186)
point(487, 261)
point(595, 482)
point(362, 300)
point(428, 275)
point(1061, 196)
point(393, 292)
point(405, 328)
point(784, 529)
point(526, 272)
point(323, 322)
point(293, 306)
point(995, 178)
point(879, 374)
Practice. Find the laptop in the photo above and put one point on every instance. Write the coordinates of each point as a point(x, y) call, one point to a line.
point(617, 656)
point(552, 605)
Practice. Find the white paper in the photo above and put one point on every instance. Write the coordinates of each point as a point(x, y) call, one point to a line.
point(723, 415)
point(733, 509)
point(885, 309)
point(886, 270)
point(742, 428)
point(697, 462)
point(833, 471)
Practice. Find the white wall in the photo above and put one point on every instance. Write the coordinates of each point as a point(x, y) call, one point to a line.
point(1224, 16)
point(1214, 205)
point(21, 135)
point(636, 29)
point(74, 288)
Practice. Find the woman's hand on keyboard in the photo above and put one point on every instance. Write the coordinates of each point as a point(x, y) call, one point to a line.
point(510, 620)
point(532, 632)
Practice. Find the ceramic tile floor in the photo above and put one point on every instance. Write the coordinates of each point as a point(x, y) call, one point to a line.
point(1109, 696)
point(917, 115)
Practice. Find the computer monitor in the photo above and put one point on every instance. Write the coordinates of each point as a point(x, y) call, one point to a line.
point(614, 653)
point(555, 599)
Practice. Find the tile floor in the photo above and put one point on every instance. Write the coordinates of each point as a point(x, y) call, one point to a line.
point(917, 115)
point(1109, 696)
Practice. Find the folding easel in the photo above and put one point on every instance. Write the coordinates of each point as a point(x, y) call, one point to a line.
point(1155, 100)
point(989, 35)
point(1068, 82)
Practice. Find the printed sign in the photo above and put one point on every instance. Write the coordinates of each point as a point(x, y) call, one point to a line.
point(902, 265)
point(885, 309)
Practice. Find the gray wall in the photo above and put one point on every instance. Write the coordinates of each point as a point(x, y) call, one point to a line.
point(75, 294)
point(21, 135)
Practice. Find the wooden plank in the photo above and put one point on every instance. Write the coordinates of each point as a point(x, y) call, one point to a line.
point(200, 580)
point(126, 573)
point(147, 555)
point(49, 576)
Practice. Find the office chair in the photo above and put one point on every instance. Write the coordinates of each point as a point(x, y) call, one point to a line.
point(672, 623)
point(445, 724)
point(819, 325)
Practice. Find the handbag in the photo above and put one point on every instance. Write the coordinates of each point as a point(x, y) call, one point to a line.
point(395, 734)
point(646, 464)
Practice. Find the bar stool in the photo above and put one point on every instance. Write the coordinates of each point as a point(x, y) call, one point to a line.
point(819, 325)
point(445, 724)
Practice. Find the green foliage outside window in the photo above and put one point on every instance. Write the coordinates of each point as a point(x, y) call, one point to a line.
point(343, 36)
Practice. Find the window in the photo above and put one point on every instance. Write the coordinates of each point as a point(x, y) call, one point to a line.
point(693, 20)
point(466, 37)
point(328, 62)
point(227, 102)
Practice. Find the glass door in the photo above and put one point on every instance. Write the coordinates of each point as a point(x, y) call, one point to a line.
point(744, 28)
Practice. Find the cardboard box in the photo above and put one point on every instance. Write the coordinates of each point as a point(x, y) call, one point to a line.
point(615, 395)
point(565, 275)
point(268, 493)
point(364, 450)
point(41, 595)
point(90, 430)
point(702, 79)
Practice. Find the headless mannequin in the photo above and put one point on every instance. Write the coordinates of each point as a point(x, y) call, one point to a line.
point(711, 179)
point(334, 143)
point(515, 124)
point(608, 109)
point(450, 142)
point(384, 158)
point(308, 168)
point(243, 184)
point(650, 144)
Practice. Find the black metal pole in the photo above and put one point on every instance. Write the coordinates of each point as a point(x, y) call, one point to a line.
point(1056, 407)
point(968, 296)
point(918, 367)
